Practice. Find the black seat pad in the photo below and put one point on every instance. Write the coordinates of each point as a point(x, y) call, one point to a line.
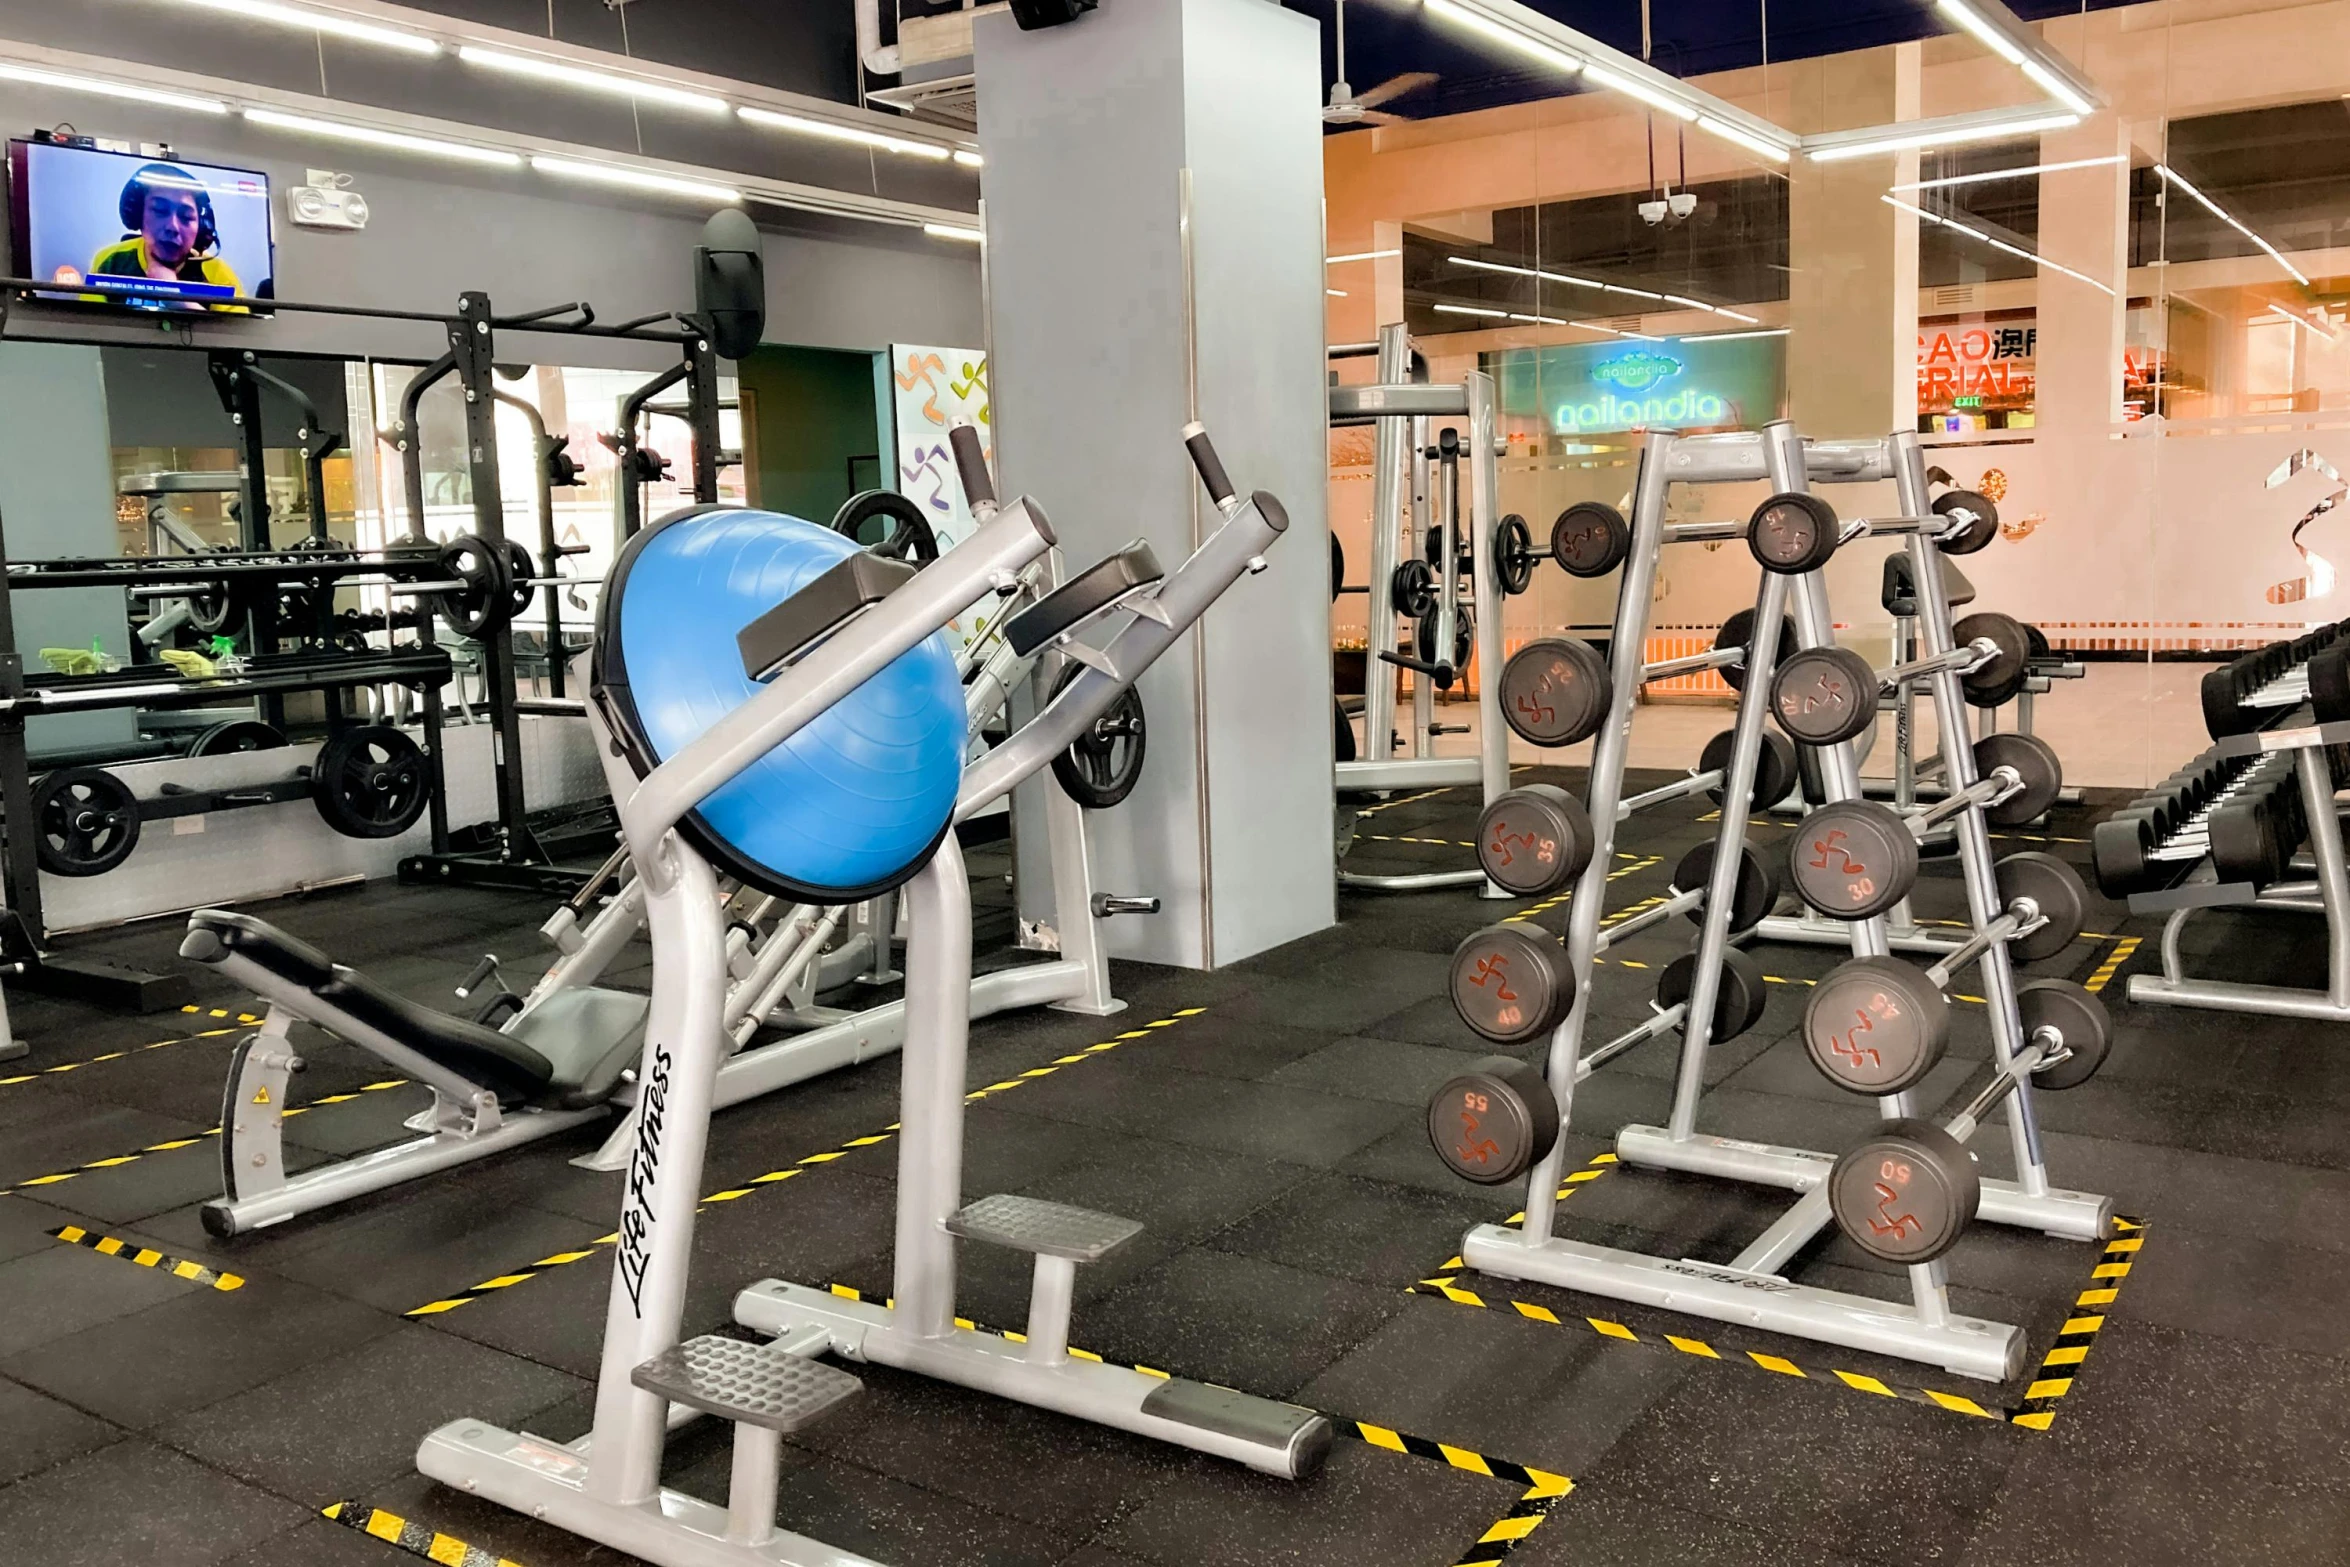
point(504, 1065)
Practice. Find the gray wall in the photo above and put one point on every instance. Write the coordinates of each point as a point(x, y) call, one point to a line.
point(1086, 129)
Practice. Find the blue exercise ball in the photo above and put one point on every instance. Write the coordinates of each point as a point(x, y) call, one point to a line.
point(847, 808)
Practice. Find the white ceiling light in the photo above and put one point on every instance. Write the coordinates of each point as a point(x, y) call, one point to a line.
point(1335, 293)
point(2057, 87)
point(34, 76)
point(1730, 337)
point(1948, 136)
point(1651, 96)
point(801, 125)
point(370, 136)
point(1502, 33)
point(1997, 244)
point(332, 24)
point(949, 231)
point(1361, 255)
point(969, 159)
point(2008, 174)
point(1547, 277)
point(2304, 324)
point(633, 179)
point(2275, 255)
point(564, 73)
point(1467, 310)
point(1990, 37)
point(1752, 143)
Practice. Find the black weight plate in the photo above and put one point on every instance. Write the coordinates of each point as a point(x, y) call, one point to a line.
point(1738, 996)
point(237, 734)
point(2329, 684)
point(1413, 589)
point(1490, 1123)
point(1792, 533)
point(2034, 761)
point(1876, 1025)
point(1464, 637)
point(1824, 695)
point(482, 604)
point(1774, 766)
point(1854, 859)
point(1512, 983)
point(1513, 555)
point(1101, 768)
point(1533, 841)
point(1982, 521)
point(1756, 894)
point(1337, 567)
point(520, 568)
point(2223, 711)
point(89, 822)
point(2056, 887)
point(2041, 651)
point(1995, 682)
point(1554, 691)
point(891, 525)
point(2075, 1013)
point(1734, 633)
point(1590, 539)
point(370, 781)
point(1343, 733)
point(1906, 1193)
point(2245, 846)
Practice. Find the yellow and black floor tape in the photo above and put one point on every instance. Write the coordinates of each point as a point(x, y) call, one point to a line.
point(147, 1257)
point(118, 1055)
point(174, 1144)
point(413, 1537)
point(2034, 1410)
point(1640, 862)
point(2123, 949)
point(529, 1271)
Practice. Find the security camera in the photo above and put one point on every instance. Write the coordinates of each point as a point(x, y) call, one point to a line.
point(1652, 213)
point(1683, 202)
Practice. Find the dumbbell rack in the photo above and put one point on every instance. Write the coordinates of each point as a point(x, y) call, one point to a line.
point(1750, 1288)
point(1401, 412)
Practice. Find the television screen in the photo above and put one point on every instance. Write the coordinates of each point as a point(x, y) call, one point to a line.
point(146, 233)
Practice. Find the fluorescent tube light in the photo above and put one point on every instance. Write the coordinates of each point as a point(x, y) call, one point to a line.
point(1640, 90)
point(2305, 325)
point(633, 179)
point(2275, 255)
point(949, 231)
point(800, 124)
point(564, 74)
point(2008, 174)
point(969, 159)
point(34, 76)
point(2056, 87)
point(370, 136)
point(1361, 255)
point(1335, 293)
point(1502, 33)
point(1997, 244)
point(1997, 130)
point(1732, 134)
point(1468, 310)
point(1730, 337)
point(332, 24)
point(1990, 37)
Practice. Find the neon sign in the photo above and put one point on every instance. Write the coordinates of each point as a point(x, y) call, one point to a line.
point(1636, 372)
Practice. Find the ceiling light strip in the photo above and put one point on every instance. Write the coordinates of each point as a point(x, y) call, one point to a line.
point(372, 136)
point(1943, 136)
point(330, 23)
point(1584, 282)
point(564, 73)
point(1996, 244)
point(802, 125)
point(633, 178)
point(1988, 176)
point(968, 236)
point(1361, 255)
point(2275, 255)
point(1501, 32)
point(2305, 325)
point(66, 81)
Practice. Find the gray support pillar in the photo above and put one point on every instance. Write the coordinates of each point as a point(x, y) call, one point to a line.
point(1105, 343)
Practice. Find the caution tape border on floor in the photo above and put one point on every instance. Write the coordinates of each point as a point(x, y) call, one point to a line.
point(415, 1538)
point(147, 1257)
point(174, 1144)
point(62, 1067)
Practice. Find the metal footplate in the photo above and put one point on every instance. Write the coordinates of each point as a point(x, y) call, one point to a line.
point(750, 1384)
point(1050, 1229)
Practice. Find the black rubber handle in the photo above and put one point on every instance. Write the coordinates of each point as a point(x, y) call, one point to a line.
point(971, 462)
point(1210, 466)
point(481, 971)
point(1440, 673)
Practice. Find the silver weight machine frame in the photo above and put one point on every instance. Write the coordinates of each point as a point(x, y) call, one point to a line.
point(1403, 411)
point(1750, 1288)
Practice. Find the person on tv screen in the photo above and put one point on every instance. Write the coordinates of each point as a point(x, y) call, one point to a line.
point(172, 236)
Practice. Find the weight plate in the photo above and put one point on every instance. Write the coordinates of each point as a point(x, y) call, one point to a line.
point(1774, 766)
point(1853, 859)
point(1793, 532)
point(482, 604)
point(89, 823)
point(892, 525)
point(1105, 763)
point(2075, 1013)
point(1513, 555)
point(1734, 633)
point(1981, 518)
point(237, 734)
point(1824, 695)
point(1534, 841)
point(370, 781)
point(1590, 539)
point(2034, 761)
point(1464, 637)
point(1905, 1194)
point(1756, 893)
point(1995, 682)
point(1554, 691)
point(1413, 589)
point(521, 566)
point(2038, 639)
point(218, 607)
point(1490, 1123)
point(1343, 732)
point(1876, 1025)
point(1512, 983)
point(1738, 998)
point(2056, 887)
point(1337, 567)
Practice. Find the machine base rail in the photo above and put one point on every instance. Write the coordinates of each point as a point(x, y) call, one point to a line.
point(2221, 995)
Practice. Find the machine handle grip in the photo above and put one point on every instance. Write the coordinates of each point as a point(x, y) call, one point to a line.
point(1440, 673)
point(1210, 466)
point(971, 462)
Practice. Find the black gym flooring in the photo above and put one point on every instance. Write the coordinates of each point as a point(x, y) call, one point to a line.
point(1270, 1137)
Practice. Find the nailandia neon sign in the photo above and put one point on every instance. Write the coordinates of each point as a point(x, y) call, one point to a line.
point(1636, 373)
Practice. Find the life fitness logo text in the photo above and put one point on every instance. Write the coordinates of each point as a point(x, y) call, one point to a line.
point(644, 1167)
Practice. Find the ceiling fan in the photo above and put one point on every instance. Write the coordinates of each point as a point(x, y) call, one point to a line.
point(1348, 107)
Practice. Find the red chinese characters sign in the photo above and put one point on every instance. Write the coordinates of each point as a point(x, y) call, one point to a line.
point(1976, 365)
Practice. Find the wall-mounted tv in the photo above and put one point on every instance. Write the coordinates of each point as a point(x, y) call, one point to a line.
point(115, 228)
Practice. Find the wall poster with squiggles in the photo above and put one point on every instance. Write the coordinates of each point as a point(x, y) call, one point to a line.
point(2317, 573)
point(931, 391)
